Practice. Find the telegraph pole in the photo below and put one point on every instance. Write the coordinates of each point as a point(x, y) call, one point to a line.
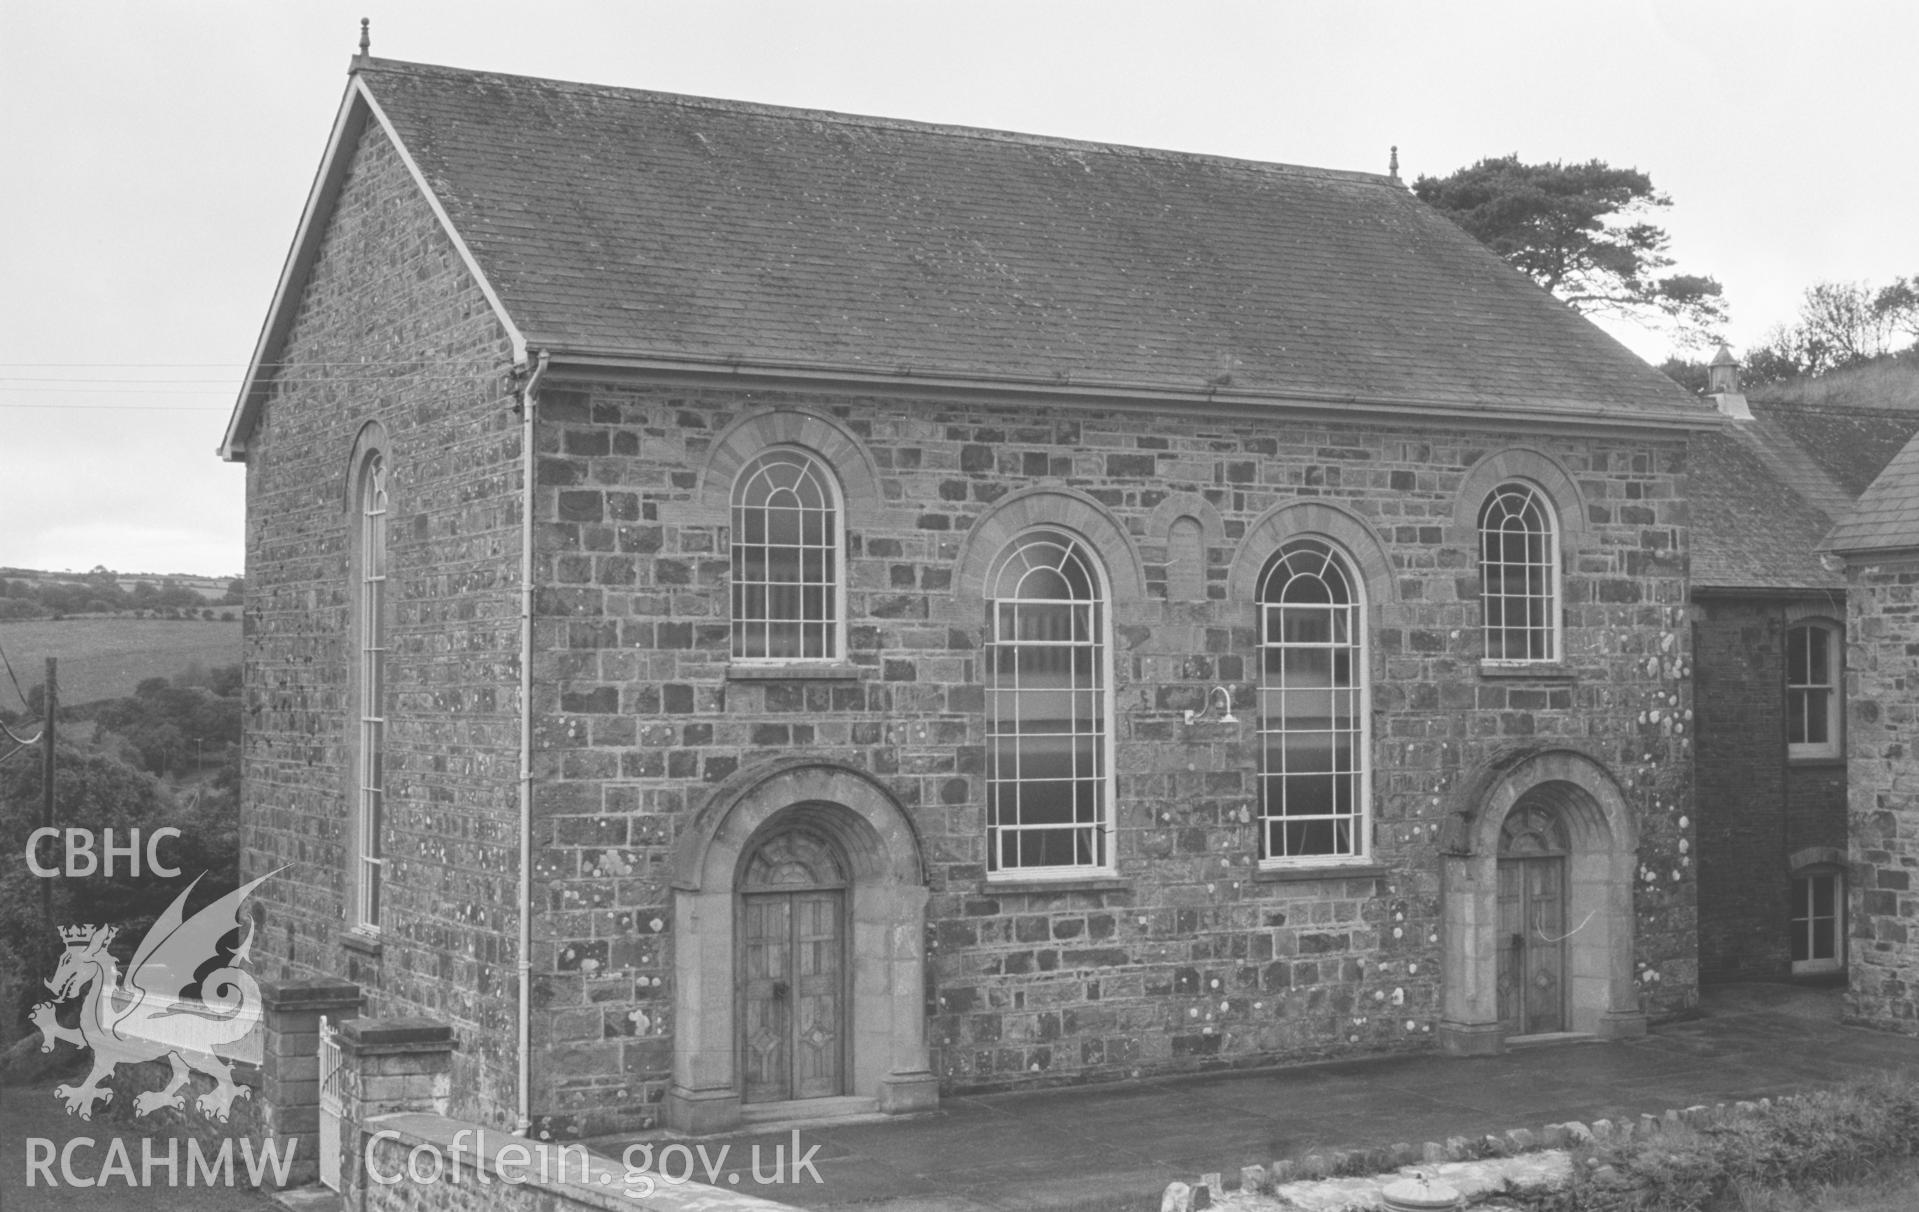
point(46, 779)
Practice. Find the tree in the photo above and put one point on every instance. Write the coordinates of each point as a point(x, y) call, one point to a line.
point(1897, 304)
point(1581, 232)
point(94, 791)
point(1840, 324)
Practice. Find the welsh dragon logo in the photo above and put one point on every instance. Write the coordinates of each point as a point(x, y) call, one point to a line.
point(185, 998)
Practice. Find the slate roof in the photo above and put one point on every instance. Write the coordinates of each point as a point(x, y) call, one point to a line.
point(1887, 515)
point(643, 225)
point(1765, 492)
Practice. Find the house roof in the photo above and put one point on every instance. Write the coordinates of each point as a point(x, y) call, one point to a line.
point(1766, 491)
point(1886, 517)
point(661, 229)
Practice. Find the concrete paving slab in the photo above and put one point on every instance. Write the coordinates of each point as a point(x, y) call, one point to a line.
point(1124, 1142)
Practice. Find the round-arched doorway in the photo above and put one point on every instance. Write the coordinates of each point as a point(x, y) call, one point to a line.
point(1532, 921)
point(1537, 893)
point(799, 951)
point(793, 969)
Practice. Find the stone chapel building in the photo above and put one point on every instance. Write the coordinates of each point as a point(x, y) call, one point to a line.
point(752, 607)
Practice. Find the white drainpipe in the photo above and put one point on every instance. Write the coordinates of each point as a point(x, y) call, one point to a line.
point(524, 1124)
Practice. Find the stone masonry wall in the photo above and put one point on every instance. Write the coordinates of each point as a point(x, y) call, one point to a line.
point(1882, 690)
point(391, 329)
point(1191, 958)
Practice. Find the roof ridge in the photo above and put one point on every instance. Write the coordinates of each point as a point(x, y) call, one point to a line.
point(880, 122)
point(1829, 406)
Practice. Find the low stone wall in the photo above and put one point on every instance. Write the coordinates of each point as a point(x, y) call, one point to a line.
point(1477, 1167)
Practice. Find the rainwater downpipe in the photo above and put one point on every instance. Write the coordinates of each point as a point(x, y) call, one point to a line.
point(523, 1124)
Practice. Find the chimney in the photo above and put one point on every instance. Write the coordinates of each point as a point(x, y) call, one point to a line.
point(1722, 384)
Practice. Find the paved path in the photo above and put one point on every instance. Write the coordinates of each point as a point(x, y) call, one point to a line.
point(1079, 1148)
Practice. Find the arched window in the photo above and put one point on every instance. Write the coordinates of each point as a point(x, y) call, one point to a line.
point(786, 560)
point(1048, 695)
point(1519, 574)
point(370, 692)
point(1813, 720)
point(1312, 707)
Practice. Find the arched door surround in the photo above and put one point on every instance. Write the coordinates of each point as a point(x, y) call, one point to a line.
point(797, 819)
point(1545, 809)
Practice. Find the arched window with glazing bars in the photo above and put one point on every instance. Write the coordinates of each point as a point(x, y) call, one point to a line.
point(787, 591)
point(370, 693)
point(1519, 575)
point(1313, 722)
point(1049, 703)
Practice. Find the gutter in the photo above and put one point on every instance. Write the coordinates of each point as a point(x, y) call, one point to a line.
point(1224, 398)
point(523, 1122)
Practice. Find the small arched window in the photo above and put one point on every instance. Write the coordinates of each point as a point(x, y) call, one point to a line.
point(1519, 575)
point(1814, 725)
point(370, 692)
point(786, 560)
point(1312, 707)
point(1048, 694)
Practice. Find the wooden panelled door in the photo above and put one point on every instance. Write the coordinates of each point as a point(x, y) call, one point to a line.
point(1532, 923)
point(793, 971)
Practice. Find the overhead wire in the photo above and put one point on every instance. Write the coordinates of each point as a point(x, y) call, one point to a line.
point(14, 679)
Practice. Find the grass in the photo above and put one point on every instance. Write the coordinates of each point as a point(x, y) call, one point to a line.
point(1819, 1149)
point(105, 658)
point(1892, 1190)
point(1886, 383)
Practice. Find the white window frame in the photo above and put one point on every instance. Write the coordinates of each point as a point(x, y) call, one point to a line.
point(1541, 641)
point(1003, 609)
point(832, 629)
point(1295, 559)
point(1803, 684)
point(370, 695)
point(1802, 916)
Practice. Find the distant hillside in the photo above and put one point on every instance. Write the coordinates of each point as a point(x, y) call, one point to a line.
point(1890, 383)
point(107, 658)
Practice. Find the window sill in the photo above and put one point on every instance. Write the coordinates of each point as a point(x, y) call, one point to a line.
point(1102, 882)
point(797, 671)
point(361, 941)
point(1330, 871)
point(1813, 761)
point(1544, 671)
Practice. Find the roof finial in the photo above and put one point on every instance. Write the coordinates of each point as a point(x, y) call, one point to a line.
point(1392, 163)
point(366, 42)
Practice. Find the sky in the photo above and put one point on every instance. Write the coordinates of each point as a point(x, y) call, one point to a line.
point(159, 152)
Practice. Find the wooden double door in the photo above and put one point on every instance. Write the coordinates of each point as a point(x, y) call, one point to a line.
point(793, 974)
point(1532, 924)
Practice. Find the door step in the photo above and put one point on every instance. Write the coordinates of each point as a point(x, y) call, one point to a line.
point(1549, 1037)
point(808, 1110)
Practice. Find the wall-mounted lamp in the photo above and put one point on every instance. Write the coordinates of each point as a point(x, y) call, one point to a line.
point(1225, 697)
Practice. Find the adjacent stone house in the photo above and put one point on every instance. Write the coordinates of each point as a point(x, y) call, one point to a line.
point(1770, 643)
point(753, 607)
point(1879, 543)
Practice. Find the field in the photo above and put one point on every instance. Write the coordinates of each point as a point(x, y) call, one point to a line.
point(106, 658)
